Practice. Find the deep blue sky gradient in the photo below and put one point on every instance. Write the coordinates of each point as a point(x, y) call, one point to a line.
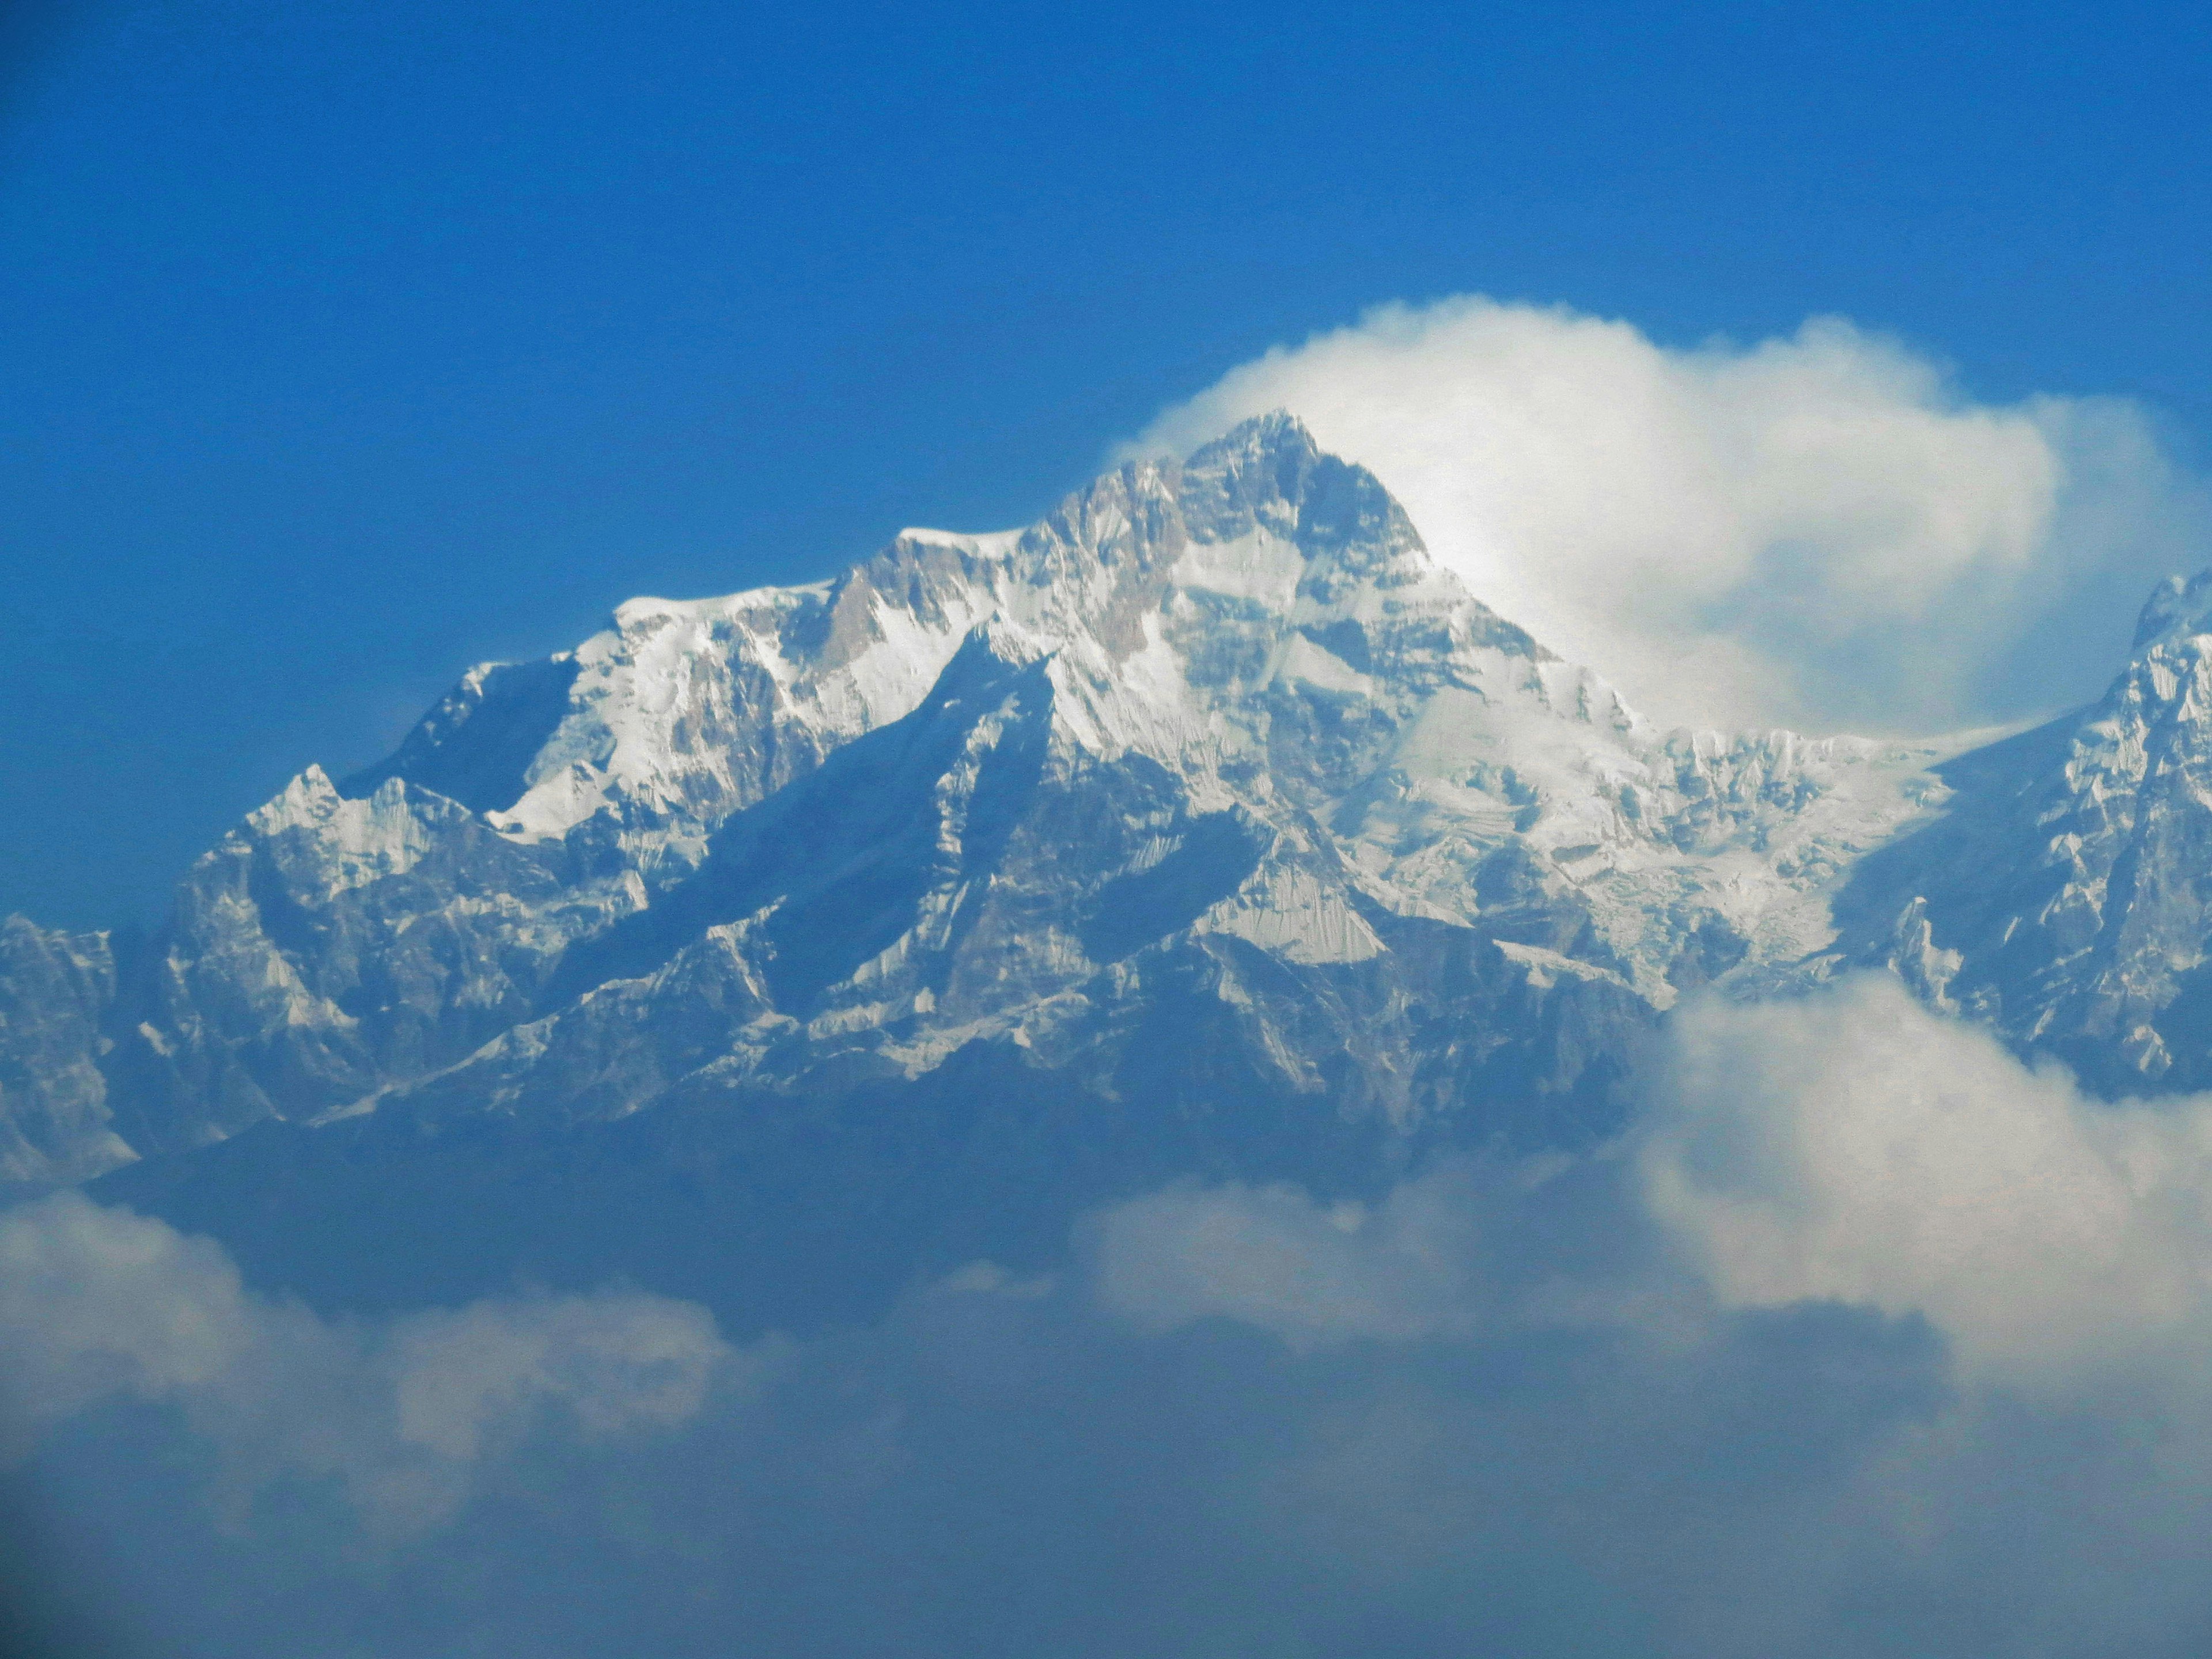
point(343, 345)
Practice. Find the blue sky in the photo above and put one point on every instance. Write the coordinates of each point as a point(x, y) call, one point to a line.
point(342, 345)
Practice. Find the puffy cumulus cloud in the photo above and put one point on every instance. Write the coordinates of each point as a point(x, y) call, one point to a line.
point(98, 1305)
point(1819, 529)
point(1854, 1146)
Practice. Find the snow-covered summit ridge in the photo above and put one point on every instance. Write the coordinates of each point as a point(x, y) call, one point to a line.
point(685, 711)
point(1170, 598)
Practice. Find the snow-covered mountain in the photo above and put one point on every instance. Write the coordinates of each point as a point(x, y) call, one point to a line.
point(1209, 815)
point(1217, 744)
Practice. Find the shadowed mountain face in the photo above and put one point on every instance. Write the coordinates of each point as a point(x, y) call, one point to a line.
point(768, 947)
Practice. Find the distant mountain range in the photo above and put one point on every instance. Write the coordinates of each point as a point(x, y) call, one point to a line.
point(768, 948)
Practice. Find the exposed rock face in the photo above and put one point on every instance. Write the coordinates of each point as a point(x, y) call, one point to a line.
point(1211, 795)
point(2065, 898)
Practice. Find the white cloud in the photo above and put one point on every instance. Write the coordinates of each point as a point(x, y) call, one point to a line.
point(1271, 1257)
point(1848, 1146)
point(99, 1303)
point(1853, 1147)
point(1818, 530)
point(617, 1362)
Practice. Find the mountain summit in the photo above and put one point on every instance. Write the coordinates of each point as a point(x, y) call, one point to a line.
point(1207, 823)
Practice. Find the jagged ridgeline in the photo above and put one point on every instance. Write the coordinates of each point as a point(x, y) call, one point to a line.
point(771, 948)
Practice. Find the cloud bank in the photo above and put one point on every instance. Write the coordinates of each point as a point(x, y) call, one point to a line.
point(1867, 1338)
point(1821, 530)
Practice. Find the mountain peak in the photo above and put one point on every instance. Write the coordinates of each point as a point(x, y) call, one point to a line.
point(2178, 607)
point(1277, 433)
